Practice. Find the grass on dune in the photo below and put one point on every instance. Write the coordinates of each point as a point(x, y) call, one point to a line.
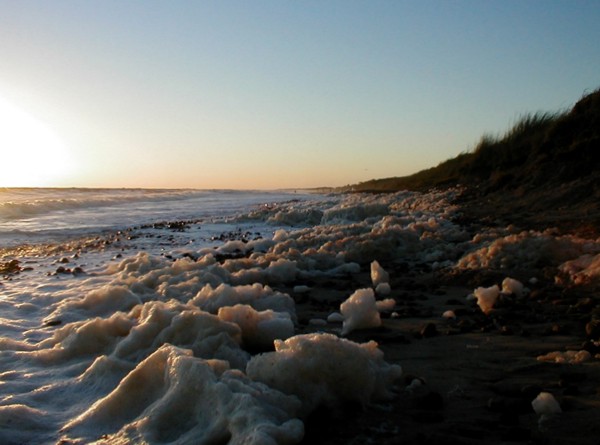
point(538, 148)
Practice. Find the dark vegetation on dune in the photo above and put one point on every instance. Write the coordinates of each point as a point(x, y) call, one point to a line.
point(543, 172)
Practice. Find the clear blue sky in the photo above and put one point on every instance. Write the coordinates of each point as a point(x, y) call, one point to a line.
point(266, 94)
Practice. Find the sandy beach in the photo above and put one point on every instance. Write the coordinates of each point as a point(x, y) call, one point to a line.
point(299, 223)
point(477, 375)
point(495, 329)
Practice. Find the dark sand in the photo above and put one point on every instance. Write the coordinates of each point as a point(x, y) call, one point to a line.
point(480, 373)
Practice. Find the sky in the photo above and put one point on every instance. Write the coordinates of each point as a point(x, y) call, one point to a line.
point(271, 94)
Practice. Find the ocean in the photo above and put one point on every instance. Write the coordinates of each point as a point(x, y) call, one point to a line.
point(47, 215)
point(204, 317)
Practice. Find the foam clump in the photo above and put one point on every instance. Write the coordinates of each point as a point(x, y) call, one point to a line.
point(378, 274)
point(259, 328)
point(173, 397)
point(301, 289)
point(355, 209)
point(98, 302)
point(187, 327)
point(545, 404)
point(512, 286)
point(486, 297)
point(256, 295)
point(280, 235)
point(582, 270)
point(322, 369)
point(386, 305)
point(571, 357)
point(525, 250)
point(297, 217)
point(84, 338)
point(360, 311)
point(335, 317)
point(19, 423)
point(383, 289)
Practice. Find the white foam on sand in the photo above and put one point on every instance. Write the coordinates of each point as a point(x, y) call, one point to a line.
point(486, 297)
point(360, 311)
point(378, 274)
point(582, 270)
point(571, 357)
point(545, 404)
point(259, 328)
point(323, 369)
point(174, 396)
point(160, 347)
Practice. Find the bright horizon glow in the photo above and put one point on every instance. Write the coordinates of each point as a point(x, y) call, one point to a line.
point(265, 95)
point(32, 154)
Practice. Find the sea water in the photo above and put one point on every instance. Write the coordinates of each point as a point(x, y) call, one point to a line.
point(52, 214)
point(170, 316)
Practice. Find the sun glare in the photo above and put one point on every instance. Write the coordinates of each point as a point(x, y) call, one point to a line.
point(31, 154)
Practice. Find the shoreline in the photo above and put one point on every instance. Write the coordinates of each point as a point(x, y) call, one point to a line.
point(478, 374)
point(468, 379)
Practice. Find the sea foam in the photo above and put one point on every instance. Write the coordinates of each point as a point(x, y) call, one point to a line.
point(191, 333)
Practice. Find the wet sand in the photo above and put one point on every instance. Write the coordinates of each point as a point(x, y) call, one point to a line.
point(467, 380)
point(479, 373)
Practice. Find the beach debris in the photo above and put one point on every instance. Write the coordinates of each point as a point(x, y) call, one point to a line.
point(10, 267)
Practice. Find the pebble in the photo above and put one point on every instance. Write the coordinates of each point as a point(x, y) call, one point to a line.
point(10, 267)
